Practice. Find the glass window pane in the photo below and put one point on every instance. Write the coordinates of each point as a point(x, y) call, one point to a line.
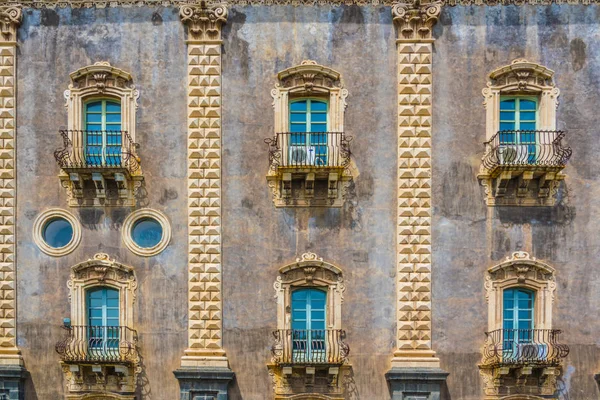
point(318, 315)
point(298, 127)
point(527, 104)
point(527, 116)
point(94, 127)
point(507, 115)
point(318, 105)
point(507, 126)
point(318, 117)
point(112, 313)
point(318, 128)
point(95, 313)
point(146, 232)
point(298, 117)
point(58, 232)
point(527, 126)
point(507, 104)
point(298, 106)
point(113, 107)
point(113, 118)
point(96, 106)
point(94, 118)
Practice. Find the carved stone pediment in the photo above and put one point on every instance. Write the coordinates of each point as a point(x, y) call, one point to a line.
point(102, 268)
point(309, 77)
point(100, 76)
point(522, 75)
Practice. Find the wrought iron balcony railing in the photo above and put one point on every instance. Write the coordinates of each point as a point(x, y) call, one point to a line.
point(102, 150)
point(309, 150)
point(308, 347)
point(99, 344)
point(526, 148)
point(505, 347)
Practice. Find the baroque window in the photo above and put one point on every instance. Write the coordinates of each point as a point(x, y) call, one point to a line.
point(310, 347)
point(524, 153)
point(99, 160)
point(99, 342)
point(522, 348)
point(309, 156)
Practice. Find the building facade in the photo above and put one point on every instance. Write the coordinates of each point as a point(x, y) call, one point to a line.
point(299, 200)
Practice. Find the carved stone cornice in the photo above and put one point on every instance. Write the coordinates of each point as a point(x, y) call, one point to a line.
point(204, 21)
point(10, 19)
point(415, 20)
point(295, 3)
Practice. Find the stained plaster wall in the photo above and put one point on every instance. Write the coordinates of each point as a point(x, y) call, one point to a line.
point(468, 237)
point(359, 237)
point(149, 45)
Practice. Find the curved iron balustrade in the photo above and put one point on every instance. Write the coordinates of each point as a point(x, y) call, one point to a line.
point(522, 148)
point(122, 154)
point(524, 346)
point(109, 344)
point(307, 347)
point(309, 150)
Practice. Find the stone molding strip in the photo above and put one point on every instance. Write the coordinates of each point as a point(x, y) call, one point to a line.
point(376, 3)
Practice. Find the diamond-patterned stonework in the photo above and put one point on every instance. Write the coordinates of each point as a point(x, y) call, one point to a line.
point(204, 187)
point(414, 196)
point(10, 17)
point(414, 46)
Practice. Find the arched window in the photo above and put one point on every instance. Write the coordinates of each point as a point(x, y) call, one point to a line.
point(309, 155)
point(518, 309)
point(102, 305)
point(99, 149)
point(308, 127)
point(99, 335)
point(308, 324)
point(309, 333)
point(520, 337)
point(103, 136)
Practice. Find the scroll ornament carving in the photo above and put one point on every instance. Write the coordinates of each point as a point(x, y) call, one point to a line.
point(10, 19)
point(416, 19)
point(204, 21)
point(177, 3)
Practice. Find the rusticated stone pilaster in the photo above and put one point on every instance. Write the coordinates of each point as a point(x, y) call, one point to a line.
point(204, 185)
point(10, 18)
point(414, 22)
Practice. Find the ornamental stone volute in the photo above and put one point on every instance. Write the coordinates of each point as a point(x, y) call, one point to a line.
point(415, 19)
point(204, 21)
point(10, 19)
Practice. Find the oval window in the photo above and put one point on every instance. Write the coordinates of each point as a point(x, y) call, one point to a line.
point(57, 233)
point(147, 232)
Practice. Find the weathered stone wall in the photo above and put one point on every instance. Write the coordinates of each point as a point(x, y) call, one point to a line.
point(468, 237)
point(151, 47)
point(359, 238)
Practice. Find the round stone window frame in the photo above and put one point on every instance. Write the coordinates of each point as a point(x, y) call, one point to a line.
point(134, 217)
point(38, 232)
